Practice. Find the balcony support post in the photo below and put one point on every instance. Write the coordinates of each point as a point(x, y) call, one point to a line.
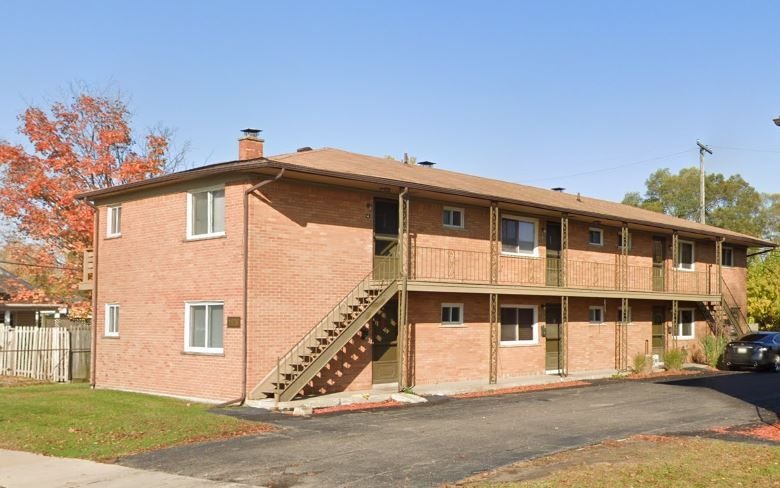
point(494, 338)
point(621, 336)
point(675, 323)
point(675, 259)
point(404, 377)
point(623, 261)
point(719, 262)
point(563, 342)
point(564, 250)
point(494, 242)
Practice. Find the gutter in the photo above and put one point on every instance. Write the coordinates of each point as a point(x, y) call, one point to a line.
point(95, 240)
point(245, 312)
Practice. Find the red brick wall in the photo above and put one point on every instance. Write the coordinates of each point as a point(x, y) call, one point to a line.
point(151, 271)
point(310, 246)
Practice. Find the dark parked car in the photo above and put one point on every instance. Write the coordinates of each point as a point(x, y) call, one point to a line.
point(756, 350)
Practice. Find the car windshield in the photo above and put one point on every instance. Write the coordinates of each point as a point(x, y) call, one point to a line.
point(757, 338)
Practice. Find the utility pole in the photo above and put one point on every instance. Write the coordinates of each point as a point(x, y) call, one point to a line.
point(702, 150)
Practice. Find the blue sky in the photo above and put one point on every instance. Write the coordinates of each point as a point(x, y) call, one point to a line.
point(533, 92)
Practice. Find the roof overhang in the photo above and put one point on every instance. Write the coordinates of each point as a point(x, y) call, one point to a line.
point(266, 166)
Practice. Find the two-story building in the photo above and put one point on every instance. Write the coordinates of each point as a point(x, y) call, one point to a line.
point(325, 270)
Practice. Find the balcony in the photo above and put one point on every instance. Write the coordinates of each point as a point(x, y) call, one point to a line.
point(88, 270)
point(435, 265)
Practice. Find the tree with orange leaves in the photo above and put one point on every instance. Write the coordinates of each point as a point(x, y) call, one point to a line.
point(85, 143)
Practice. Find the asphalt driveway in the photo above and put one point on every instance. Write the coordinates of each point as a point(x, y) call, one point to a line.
point(447, 440)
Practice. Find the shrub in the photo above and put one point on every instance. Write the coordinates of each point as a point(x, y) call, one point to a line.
point(713, 347)
point(642, 363)
point(674, 359)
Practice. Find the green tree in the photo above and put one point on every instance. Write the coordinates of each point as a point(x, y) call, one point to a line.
point(763, 290)
point(731, 203)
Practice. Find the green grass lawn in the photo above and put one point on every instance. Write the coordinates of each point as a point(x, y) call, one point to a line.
point(665, 462)
point(72, 420)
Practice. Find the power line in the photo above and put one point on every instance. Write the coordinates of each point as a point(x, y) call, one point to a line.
point(728, 148)
point(39, 265)
point(602, 170)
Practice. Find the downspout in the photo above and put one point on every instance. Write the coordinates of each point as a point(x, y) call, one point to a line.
point(245, 312)
point(95, 235)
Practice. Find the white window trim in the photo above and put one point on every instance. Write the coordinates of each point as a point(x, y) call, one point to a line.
point(599, 307)
point(202, 350)
point(208, 235)
point(107, 332)
point(535, 328)
point(109, 220)
point(530, 220)
point(693, 255)
point(601, 236)
point(453, 324)
point(462, 218)
point(680, 324)
point(722, 262)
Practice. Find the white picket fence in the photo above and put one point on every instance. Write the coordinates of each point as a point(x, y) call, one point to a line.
point(42, 353)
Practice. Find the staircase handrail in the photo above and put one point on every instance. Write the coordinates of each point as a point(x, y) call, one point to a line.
point(310, 337)
point(731, 303)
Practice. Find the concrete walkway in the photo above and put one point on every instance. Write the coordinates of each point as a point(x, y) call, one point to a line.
point(26, 470)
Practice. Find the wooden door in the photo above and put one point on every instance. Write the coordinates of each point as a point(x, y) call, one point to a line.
point(659, 332)
point(385, 239)
point(552, 328)
point(384, 344)
point(553, 242)
point(659, 261)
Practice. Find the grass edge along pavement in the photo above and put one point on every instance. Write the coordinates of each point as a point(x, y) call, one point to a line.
point(73, 420)
point(643, 460)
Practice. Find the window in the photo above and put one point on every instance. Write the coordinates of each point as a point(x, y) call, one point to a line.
point(114, 221)
point(203, 327)
point(518, 325)
point(206, 213)
point(595, 237)
point(451, 314)
point(620, 315)
point(685, 328)
point(453, 217)
point(596, 315)
point(727, 256)
point(686, 256)
point(518, 236)
point(112, 320)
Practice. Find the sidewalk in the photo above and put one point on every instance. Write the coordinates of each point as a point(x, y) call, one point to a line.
point(382, 393)
point(26, 470)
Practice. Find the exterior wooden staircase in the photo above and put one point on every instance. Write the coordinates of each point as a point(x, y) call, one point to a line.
point(725, 316)
point(306, 358)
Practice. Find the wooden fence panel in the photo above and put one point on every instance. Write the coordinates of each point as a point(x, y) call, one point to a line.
point(41, 353)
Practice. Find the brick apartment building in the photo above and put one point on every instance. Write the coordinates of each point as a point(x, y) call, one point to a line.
point(325, 270)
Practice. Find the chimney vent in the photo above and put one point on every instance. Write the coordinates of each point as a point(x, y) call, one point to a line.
point(303, 149)
point(250, 146)
point(426, 164)
point(559, 189)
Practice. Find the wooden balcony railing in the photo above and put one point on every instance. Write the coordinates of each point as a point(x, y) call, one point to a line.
point(450, 265)
point(88, 270)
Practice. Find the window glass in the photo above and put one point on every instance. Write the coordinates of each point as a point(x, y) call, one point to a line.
point(218, 211)
point(525, 324)
point(215, 326)
point(595, 237)
point(198, 326)
point(686, 255)
point(686, 323)
point(728, 256)
point(596, 315)
point(508, 324)
point(114, 221)
point(200, 213)
point(518, 236)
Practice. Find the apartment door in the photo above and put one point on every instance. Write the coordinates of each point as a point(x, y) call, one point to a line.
point(384, 348)
point(659, 334)
point(659, 261)
point(385, 239)
point(552, 334)
point(553, 254)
